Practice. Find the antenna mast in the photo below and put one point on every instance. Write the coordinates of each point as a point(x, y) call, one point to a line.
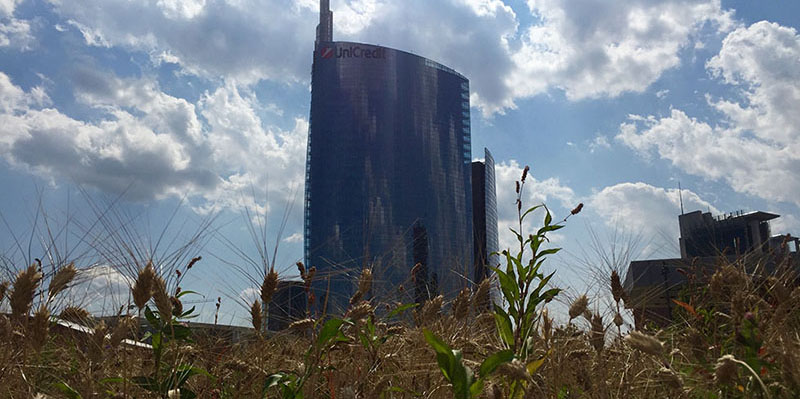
point(680, 195)
point(325, 27)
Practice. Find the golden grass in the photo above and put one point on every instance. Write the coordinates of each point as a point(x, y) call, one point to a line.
point(729, 344)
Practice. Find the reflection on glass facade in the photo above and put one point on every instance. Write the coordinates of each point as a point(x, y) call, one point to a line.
point(484, 218)
point(388, 178)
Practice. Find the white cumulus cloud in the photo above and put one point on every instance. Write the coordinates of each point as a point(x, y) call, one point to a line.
point(150, 145)
point(640, 208)
point(585, 48)
point(755, 147)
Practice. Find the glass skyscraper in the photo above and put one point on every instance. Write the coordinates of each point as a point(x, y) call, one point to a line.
point(484, 216)
point(388, 174)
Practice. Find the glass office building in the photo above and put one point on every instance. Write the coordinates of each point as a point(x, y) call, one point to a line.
point(484, 216)
point(388, 174)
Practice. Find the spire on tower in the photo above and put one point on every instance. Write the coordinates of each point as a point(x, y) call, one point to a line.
point(325, 27)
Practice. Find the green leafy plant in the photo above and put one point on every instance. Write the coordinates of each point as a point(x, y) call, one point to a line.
point(524, 288)
point(465, 383)
point(169, 377)
point(290, 384)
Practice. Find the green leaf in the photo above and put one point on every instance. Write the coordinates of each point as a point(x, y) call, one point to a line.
point(156, 341)
point(151, 317)
point(507, 285)
point(531, 210)
point(550, 294)
point(329, 330)
point(546, 252)
point(182, 293)
point(541, 285)
point(186, 371)
point(146, 383)
point(536, 364)
point(364, 341)
point(371, 327)
point(185, 314)
point(67, 390)
point(444, 355)
point(503, 323)
point(552, 227)
point(490, 364)
point(274, 380)
point(461, 377)
point(476, 388)
point(187, 394)
point(401, 309)
point(112, 380)
point(181, 332)
point(548, 218)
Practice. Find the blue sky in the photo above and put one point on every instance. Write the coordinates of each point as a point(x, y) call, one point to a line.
point(200, 107)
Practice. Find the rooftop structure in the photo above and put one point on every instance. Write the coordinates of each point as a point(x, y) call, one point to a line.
point(652, 285)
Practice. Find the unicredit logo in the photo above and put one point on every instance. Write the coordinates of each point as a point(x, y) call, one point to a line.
point(352, 52)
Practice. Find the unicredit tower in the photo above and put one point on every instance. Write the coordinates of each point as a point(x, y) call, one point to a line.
point(388, 174)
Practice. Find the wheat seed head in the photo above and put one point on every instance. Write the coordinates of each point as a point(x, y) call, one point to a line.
point(269, 286)
point(142, 289)
point(302, 325)
point(124, 327)
point(644, 343)
point(598, 332)
point(360, 311)
point(161, 298)
point(61, 280)
point(480, 300)
point(24, 289)
point(578, 307)
point(461, 304)
point(74, 314)
point(616, 287)
point(255, 315)
point(40, 327)
point(725, 371)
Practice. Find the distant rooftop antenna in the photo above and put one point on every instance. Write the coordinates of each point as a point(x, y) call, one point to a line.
point(325, 27)
point(680, 195)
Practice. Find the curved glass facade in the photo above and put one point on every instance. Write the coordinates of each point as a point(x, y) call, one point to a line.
point(388, 178)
